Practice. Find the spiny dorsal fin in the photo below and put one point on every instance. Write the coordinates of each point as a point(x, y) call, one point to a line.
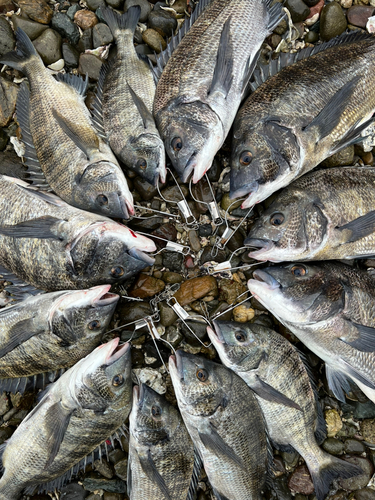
point(265, 71)
point(97, 107)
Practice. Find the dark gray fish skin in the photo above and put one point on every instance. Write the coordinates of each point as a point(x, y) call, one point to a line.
point(52, 331)
point(78, 412)
point(265, 360)
point(63, 149)
point(158, 440)
point(201, 87)
point(328, 307)
point(300, 116)
point(54, 246)
point(327, 214)
point(225, 423)
point(126, 102)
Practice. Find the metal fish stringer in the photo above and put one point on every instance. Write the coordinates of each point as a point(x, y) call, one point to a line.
point(233, 306)
point(227, 266)
point(212, 205)
point(158, 213)
point(182, 205)
point(171, 245)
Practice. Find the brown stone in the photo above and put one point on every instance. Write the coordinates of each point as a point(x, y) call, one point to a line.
point(230, 291)
point(154, 40)
point(37, 10)
point(85, 19)
point(300, 481)
point(8, 97)
point(358, 15)
point(333, 422)
point(195, 289)
point(6, 6)
point(368, 430)
point(147, 286)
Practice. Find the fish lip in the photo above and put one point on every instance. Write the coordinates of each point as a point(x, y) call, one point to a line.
point(264, 246)
point(142, 256)
point(190, 165)
point(215, 333)
point(104, 297)
point(136, 394)
point(248, 189)
point(267, 279)
point(116, 352)
point(177, 362)
point(124, 208)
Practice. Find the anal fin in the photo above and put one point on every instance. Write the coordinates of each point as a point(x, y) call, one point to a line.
point(337, 382)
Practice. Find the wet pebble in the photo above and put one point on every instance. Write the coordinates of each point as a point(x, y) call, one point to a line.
point(199, 329)
point(132, 311)
point(205, 230)
point(358, 482)
point(85, 42)
point(226, 202)
point(143, 49)
point(7, 40)
point(65, 26)
point(70, 55)
point(300, 481)
point(149, 223)
point(72, 10)
point(243, 314)
point(90, 64)
point(358, 15)
point(207, 256)
point(201, 191)
point(167, 315)
point(196, 288)
point(31, 28)
point(172, 193)
point(85, 19)
point(73, 491)
point(94, 483)
point(368, 430)
point(194, 241)
point(298, 10)
point(146, 286)
point(101, 35)
point(154, 40)
point(365, 494)
point(48, 46)
point(162, 21)
point(6, 6)
point(172, 278)
point(229, 290)
point(145, 189)
point(332, 21)
point(104, 468)
point(172, 260)
point(354, 446)
point(37, 10)
point(8, 97)
point(144, 5)
point(333, 422)
point(121, 468)
point(333, 446)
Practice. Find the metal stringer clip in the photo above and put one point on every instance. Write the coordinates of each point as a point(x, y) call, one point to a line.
point(182, 205)
point(212, 205)
point(233, 306)
point(172, 246)
point(227, 266)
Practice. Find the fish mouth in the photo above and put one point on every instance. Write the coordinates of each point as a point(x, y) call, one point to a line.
point(215, 333)
point(248, 189)
point(262, 245)
point(267, 279)
point(116, 351)
point(136, 394)
point(177, 363)
point(124, 204)
point(190, 165)
point(142, 256)
point(103, 297)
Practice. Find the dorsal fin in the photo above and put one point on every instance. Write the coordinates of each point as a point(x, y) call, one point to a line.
point(165, 55)
point(34, 170)
point(97, 107)
point(265, 71)
point(75, 81)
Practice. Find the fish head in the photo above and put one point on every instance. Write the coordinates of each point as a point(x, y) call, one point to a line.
point(201, 386)
point(152, 419)
point(263, 159)
point(299, 293)
point(109, 252)
point(238, 344)
point(103, 378)
point(145, 155)
point(102, 189)
point(82, 314)
point(290, 229)
point(192, 137)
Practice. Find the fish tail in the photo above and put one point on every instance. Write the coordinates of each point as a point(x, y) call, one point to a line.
point(328, 469)
point(19, 59)
point(127, 21)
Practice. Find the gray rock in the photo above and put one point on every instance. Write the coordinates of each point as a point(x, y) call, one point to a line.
point(115, 4)
point(94, 496)
point(298, 10)
point(116, 455)
point(354, 446)
point(143, 49)
point(205, 230)
point(89, 64)
point(3, 139)
point(121, 469)
point(144, 5)
point(172, 261)
point(104, 468)
point(85, 42)
point(167, 315)
point(111, 485)
point(70, 55)
point(101, 35)
point(7, 40)
point(10, 164)
point(162, 20)
point(173, 335)
point(358, 482)
point(332, 21)
point(73, 491)
point(333, 446)
point(199, 329)
point(365, 494)
point(95, 4)
point(194, 241)
point(72, 10)
point(65, 26)
point(364, 410)
point(31, 28)
point(8, 97)
point(48, 46)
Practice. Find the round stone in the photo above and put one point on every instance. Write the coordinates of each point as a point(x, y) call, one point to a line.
point(85, 19)
point(332, 21)
point(37, 10)
point(101, 35)
point(162, 21)
point(144, 5)
point(7, 40)
point(154, 40)
point(358, 15)
point(70, 55)
point(31, 28)
point(90, 64)
point(48, 46)
point(298, 10)
point(65, 26)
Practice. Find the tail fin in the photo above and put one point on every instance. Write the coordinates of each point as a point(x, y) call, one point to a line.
point(19, 58)
point(127, 21)
point(331, 468)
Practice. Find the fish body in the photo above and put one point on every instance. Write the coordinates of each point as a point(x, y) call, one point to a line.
point(158, 442)
point(54, 246)
point(225, 423)
point(272, 367)
point(327, 214)
point(63, 149)
point(328, 307)
point(49, 332)
point(201, 87)
point(302, 115)
point(78, 412)
point(125, 99)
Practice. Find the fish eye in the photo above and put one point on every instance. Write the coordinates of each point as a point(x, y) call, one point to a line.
point(299, 270)
point(156, 411)
point(102, 200)
point(277, 219)
point(94, 325)
point(240, 336)
point(117, 380)
point(117, 271)
point(141, 163)
point(176, 143)
point(246, 158)
point(202, 375)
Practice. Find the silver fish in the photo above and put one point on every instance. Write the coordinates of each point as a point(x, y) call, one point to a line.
point(89, 403)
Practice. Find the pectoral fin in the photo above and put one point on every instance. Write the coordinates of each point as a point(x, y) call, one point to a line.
point(42, 228)
point(18, 334)
point(56, 422)
point(149, 468)
point(337, 382)
point(358, 228)
point(147, 118)
point(366, 338)
point(267, 392)
point(223, 74)
point(216, 444)
point(69, 129)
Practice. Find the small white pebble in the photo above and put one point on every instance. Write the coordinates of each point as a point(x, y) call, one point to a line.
point(58, 65)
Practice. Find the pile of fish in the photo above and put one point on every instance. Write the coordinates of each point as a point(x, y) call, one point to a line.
point(62, 252)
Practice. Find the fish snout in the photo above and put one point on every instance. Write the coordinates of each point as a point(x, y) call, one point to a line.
point(266, 278)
